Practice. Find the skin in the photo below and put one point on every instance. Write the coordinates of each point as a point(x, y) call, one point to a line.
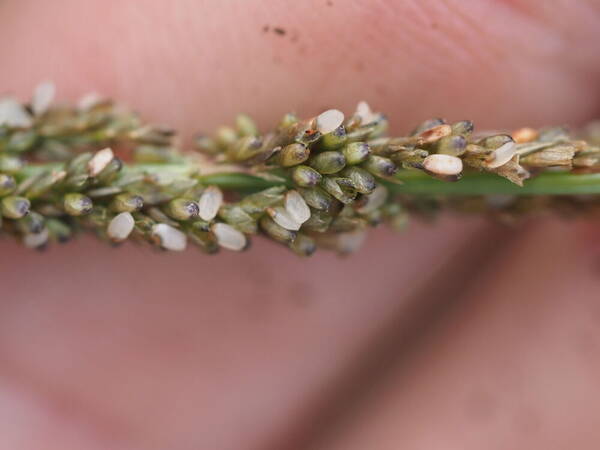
point(461, 335)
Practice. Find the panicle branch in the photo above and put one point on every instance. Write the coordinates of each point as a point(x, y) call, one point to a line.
point(308, 183)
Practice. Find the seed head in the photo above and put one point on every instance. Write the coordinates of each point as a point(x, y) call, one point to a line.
point(7, 184)
point(434, 134)
point(168, 237)
point(502, 154)
point(319, 221)
point(89, 101)
point(452, 145)
point(121, 226)
point(356, 152)
point(328, 162)
point(305, 176)
point(296, 207)
point(513, 171)
point(289, 120)
point(228, 237)
point(13, 114)
point(246, 150)
point(328, 121)
point(127, 202)
point(362, 180)
point(43, 184)
point(42, 97)
point(245, 125)
point(445, 166)
point(182, 209)
point(524, 135)
point(58, 230)
point(560, 155)
point(204, 238)
point(380, 166)
point(36, 240)
point(427, 125)
point(283, 218)
point(303, 245)
point(210, 202)
point(340, 188)
point(276, 231)
point(374, 200)
point(293, 154)
point(464, 127)
point(99, 161)
point(76, 204)
point(363, 110)
point(31, 223)
point(237, 217)
point(10, 164)
point(334, 140)
point(14, 207)
point(317, 198)
point(225, 136)
point(326, 178)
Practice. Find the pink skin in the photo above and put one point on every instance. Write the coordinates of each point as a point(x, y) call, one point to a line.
point(127, 349)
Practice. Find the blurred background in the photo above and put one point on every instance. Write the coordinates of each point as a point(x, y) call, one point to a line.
point(459, 334)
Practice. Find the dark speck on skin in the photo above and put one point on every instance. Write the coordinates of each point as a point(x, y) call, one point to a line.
point(329, 3)
point(279, 31)
point(266, 29)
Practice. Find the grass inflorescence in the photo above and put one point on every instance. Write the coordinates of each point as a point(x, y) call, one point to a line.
point(319, 182)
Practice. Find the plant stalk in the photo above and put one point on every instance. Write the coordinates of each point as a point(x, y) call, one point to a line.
point(412, 182)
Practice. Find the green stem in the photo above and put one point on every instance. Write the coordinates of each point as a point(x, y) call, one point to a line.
point(481, 183)
point(413, 182)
